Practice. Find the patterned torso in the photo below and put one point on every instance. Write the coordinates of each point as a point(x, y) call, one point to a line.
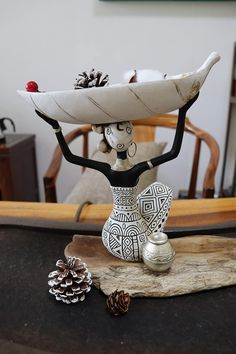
point(125, 230)
point(134, 218)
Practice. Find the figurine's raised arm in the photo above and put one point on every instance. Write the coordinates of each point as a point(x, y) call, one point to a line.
point(141, 167)
point(174, 152)
point(69, 156)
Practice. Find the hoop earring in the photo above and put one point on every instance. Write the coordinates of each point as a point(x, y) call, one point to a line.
point(135, 149)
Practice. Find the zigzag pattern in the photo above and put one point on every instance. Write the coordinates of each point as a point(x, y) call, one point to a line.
point(124, 196)
point(125, 217)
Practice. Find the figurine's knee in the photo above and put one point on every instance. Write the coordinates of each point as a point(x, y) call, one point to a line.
point(154, 205)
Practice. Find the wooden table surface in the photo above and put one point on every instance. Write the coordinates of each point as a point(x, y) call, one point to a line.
point(195, 323)
point(183, 212)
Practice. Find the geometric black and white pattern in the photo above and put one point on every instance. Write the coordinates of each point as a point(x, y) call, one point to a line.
point(154, 205)
point(125, 230)
point(134, 218)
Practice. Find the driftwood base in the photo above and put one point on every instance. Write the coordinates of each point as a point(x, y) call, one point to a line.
point(202, 263)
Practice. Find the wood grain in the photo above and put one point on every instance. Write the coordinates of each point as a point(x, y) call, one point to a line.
point(183, 212)
point(202, 263)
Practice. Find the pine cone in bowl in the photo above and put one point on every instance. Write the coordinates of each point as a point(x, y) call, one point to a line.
point(93, 79)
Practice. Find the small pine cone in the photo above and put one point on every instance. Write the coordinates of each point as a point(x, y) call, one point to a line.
point(93, 79)
point(71, 281)
point(118, 302)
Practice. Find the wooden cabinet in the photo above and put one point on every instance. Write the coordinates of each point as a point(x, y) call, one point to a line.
point(18, 171)
point(228, 178)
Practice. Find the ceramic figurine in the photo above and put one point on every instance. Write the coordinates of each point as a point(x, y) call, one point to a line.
point(111, 110)
point(133, 217)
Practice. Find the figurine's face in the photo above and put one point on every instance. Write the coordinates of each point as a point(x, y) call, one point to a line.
point(119, 135)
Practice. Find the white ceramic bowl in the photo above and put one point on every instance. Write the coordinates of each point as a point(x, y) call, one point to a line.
point(122, 102)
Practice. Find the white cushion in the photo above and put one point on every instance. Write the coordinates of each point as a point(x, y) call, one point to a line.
point(94, 187)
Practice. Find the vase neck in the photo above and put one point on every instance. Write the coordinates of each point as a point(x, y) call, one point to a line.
point(124, 196)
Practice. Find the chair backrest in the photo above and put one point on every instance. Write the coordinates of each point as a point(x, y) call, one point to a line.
point(170, 121)
point(145, 131)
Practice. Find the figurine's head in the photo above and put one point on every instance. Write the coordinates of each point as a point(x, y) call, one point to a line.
point(119, 135)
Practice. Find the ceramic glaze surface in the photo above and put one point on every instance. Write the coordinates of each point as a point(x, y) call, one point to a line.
point(158, 253)
point(119, 136)
point(121, 102)
point(134, 217)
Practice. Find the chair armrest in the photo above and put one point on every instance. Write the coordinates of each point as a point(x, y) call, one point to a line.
point(209, 178)
point(50, 177)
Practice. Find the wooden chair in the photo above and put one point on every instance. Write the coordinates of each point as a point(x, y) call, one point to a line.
point(145, 131)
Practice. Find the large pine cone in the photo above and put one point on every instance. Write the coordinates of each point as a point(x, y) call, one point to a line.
point(118, 302)
point(71, 281)
point(93, 79)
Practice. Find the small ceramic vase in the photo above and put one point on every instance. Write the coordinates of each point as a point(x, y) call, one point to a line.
point(158, 253)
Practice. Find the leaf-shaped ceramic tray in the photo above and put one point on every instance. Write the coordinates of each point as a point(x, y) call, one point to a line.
point(121, 102)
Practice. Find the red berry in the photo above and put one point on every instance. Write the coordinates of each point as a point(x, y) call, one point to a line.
point(31, 86)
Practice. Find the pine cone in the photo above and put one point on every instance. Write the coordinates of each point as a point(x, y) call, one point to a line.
point(118, 302)
point(94, 79)
point(71, 281)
